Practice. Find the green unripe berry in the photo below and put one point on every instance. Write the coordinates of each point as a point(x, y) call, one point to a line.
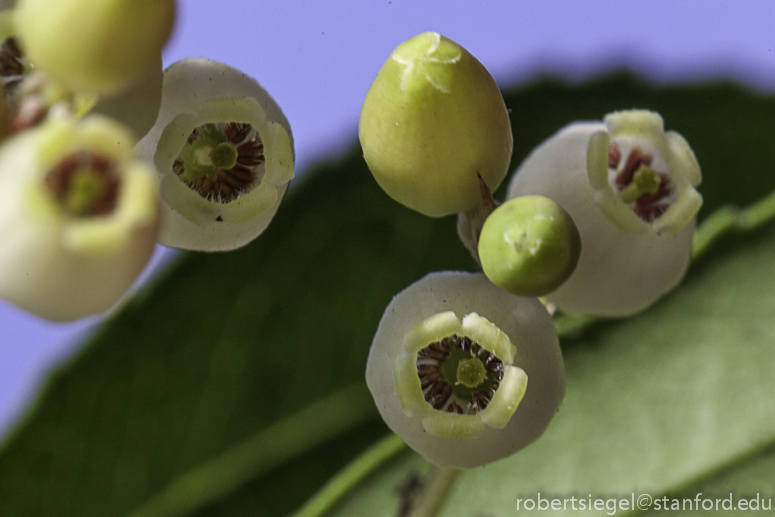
point(94, 45)
point(529, 246)
point(432, 120)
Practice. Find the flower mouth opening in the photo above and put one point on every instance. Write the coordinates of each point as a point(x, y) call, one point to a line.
point(457, 375)
point(640, 177)
point(221, 161)
point(643, 177)
point(84, 184)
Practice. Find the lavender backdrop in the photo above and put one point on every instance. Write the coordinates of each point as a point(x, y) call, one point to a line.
point(318, 58)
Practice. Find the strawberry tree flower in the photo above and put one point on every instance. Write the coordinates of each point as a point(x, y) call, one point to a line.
point(432, 123)
point(224, 153)
point(463, 371)
point(79, 217)
point(630, 188)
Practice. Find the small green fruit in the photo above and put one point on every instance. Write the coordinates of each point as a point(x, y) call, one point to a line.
point(432, 120)
point(529, 246)
point(94, 45)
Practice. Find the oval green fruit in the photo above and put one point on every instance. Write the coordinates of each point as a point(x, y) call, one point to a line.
point(95, 46)
point(432, 122)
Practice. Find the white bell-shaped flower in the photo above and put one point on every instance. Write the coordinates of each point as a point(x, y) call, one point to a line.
point(224, 153)
point(79, 217)
point(629, 187)
point(463, 371)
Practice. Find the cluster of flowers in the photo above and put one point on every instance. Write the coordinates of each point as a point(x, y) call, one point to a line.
point(599, 220)
point(82, 202)
point(465, 367)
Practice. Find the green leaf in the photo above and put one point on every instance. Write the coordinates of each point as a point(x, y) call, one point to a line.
point(233, 384)
point(654, 404)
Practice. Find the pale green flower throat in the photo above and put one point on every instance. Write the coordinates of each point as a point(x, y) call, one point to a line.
point(84, 184)
point(458, 375)
point(221, 161)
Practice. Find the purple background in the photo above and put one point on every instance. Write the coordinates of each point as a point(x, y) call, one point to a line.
point(318, 58)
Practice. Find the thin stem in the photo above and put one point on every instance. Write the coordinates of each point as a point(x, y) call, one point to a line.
point(486, 206)
point(433, 497)
point(715, 226)
point(283, 440)
point(358, 470)
point(729, 219)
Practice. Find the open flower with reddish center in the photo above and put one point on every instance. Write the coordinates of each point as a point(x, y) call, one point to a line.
point(630, 188)
point(463, 371)
point(78, 217)
point(224, 153)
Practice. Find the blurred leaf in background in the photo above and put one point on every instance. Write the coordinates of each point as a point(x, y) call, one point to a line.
point(233, 385)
